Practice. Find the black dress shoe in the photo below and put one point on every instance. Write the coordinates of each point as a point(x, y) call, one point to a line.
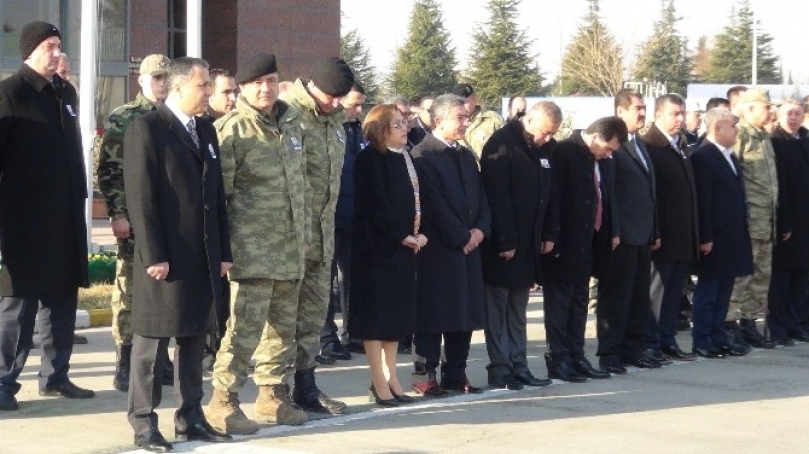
point(732, 350)
point(79, 340)
point(67, 389)
point(584, 367)
point(336, 350)
point(613, 367)
point(325, 359)
point(153, 441)
point(462, 386)
point(563, 370)
point(527, 378)
point(201, 431)
point(783, 341)
point(8, 402)
point(674, 352)
point(643, 362)
point(752, 336)
point(707, 352)
point(505, 382)
point(402, 398)
point(657, 355)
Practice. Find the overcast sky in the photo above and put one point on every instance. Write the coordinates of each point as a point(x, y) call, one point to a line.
point(552, 23)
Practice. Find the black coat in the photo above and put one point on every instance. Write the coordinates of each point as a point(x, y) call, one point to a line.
point(43, 189)
point(574, 256)
point(635, 194)
point(519, 187)
point(453, 201)
point(722, 215)
point(792, 159)
point(383, 271)
point(677, 220)
point(344, 211)
point(176, 204)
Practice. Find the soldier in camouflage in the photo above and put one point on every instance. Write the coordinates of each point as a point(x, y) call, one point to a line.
point(755, 152)
point(321, 120)
point(264, 173)
point(111, 183)
point(482, 122)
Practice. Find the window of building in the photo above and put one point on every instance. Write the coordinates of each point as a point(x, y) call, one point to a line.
point(177, 28)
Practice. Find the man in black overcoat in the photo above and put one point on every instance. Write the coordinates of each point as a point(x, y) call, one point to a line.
point(43, 234)
point(518, 178)
point(790, 261)
point(725, 248)
point(587, 220)
point(176, 203)
point(450, 276)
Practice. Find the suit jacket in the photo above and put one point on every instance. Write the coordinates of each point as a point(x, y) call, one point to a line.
point(518, 177)
point(176, 203)
point(677, 219)
point(635, 194)
point(722, 215)
point(578, 250)
point(450, 284)
point(792, 160)
point(43, 189)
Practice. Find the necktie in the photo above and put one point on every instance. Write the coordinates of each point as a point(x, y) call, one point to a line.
point(599, 205)
point(192, 131)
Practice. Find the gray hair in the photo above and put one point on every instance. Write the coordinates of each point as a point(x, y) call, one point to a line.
point(717, 114)
point(443, 104)
point(181, 69)
point(547, 108)
point(396, 100)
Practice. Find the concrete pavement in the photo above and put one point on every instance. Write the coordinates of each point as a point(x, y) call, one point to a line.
point(751, 404)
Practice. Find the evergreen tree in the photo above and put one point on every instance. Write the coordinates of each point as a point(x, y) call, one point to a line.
point(358, 57)
point(700, 59)
point(664, 55)
point(592, 63)
point(500, 62)
point(731, 58)
point(425, 64)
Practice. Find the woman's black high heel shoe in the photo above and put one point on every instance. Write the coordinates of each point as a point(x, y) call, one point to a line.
point(402, 398)
point(374, 397)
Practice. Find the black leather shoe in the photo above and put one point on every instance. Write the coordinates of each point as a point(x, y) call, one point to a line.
point(402, 398)
point(79, 340)
point(336, 350)
point(613, 367)
point(527, 378)
point(675, 353)
point(584, 367)
point(563, 370)
point(324, 359)
point(783, 341)
point(752, 336)
point(201, 431)
point(643, 362)
point(708, 353)
point(732, 350)
point(153, 441)
point(657, 355)
point(505, 382)
point(8, 402)
point(463, 387)
point(67, 389)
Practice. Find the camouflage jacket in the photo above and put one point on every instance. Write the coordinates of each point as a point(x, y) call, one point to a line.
point(111, 153)
point(482, 124)
point(263, 169)
point(324, 144)
point(754, 150)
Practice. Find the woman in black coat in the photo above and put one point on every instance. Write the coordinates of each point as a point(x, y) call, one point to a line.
point(383, 263)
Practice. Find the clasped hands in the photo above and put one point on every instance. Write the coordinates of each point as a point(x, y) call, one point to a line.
point(160, 271)
point(415, 242)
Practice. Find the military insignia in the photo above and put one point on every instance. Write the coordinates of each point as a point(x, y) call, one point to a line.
point(296, 144)
point(545, 163)
point(210, 149)
point(70, 110)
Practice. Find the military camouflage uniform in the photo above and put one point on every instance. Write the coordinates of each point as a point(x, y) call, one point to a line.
point(482, 124)
point(324, 142)
point(754, 150)
point(263, 168)
point(111, 183)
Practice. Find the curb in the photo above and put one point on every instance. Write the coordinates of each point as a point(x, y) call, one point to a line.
point(93, 317)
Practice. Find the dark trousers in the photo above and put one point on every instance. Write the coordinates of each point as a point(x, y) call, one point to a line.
point(145, 383)
point(456, 351)
point(662, 332)
point(340, 277)
point(623, 306)
point(57, 322)
point(708, 312)
point(565, 307)
point(506, 338)
point(213, 340)
point(786, 300)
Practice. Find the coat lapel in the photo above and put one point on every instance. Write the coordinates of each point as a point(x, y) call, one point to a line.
point(178, 129)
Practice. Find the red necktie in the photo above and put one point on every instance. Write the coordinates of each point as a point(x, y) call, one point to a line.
point(599, 207)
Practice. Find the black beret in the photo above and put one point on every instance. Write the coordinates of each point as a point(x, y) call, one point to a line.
point(463, 90)
point(333, 76)
point(255, 67)
point(34, 33)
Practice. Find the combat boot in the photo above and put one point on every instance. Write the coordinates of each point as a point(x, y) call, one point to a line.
point(121, 379)
point(275, 405)
point(307, 395)
point(223, 414)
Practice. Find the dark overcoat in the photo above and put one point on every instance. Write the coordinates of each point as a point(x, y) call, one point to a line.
point(792, 160)
point(573, 258)
point(635, 194)
point(43, 189)
point(176, 204)
point(383, 271)
point(518, 178)
point(677, 219)
point(722, 215)
point(453, 201)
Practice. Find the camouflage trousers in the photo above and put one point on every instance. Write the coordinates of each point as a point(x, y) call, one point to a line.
point(749, 298)
point(262, 323)
point(121, 301)
point(313, 304)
